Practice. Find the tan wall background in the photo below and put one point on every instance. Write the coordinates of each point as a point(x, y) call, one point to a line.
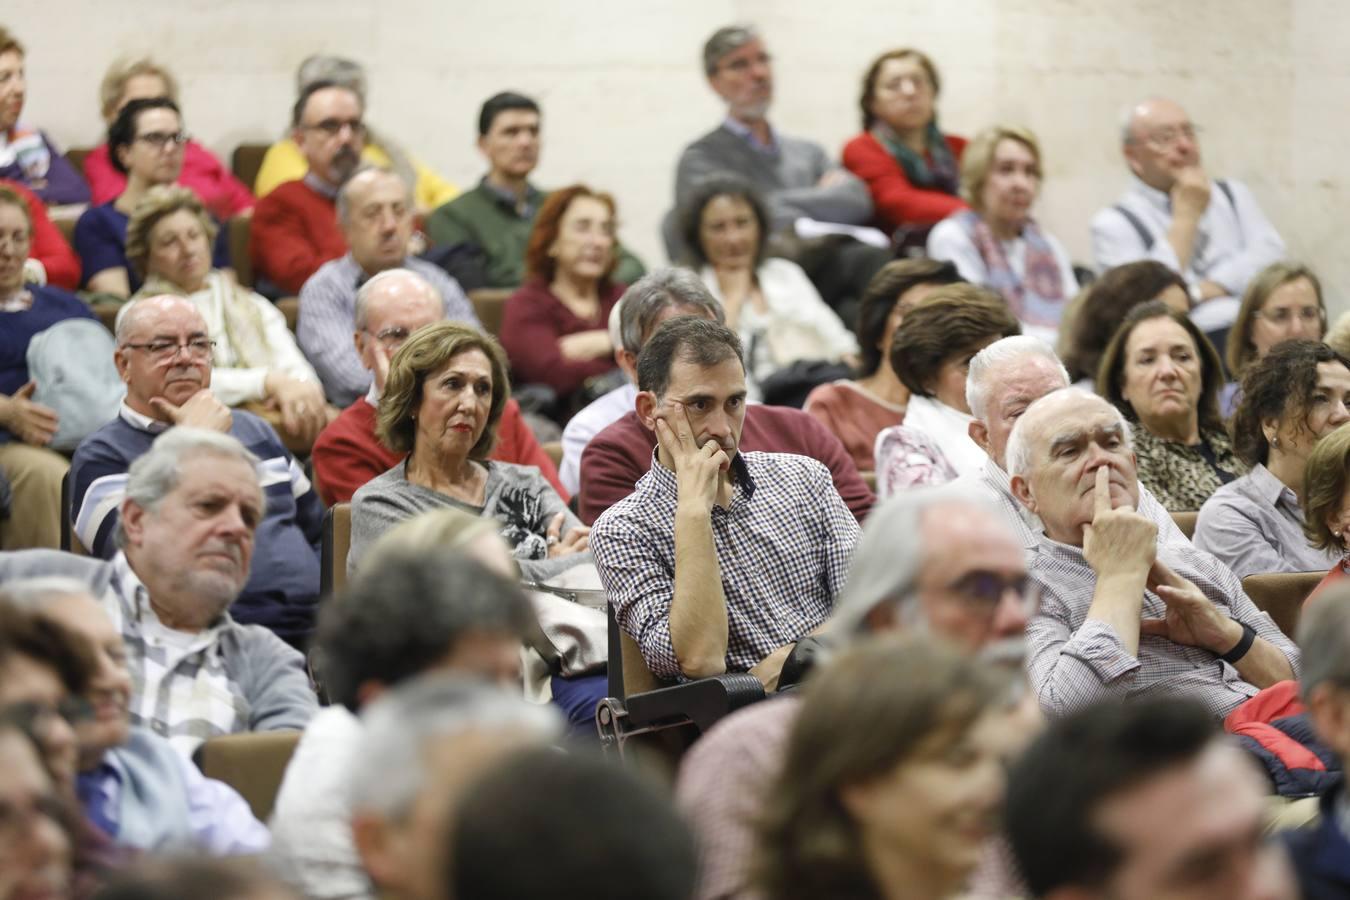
point(622, 90)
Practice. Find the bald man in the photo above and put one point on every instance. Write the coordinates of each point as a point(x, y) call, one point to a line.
point(1212, 232)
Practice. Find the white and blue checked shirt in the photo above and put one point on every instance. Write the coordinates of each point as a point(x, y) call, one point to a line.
point(1074, 662)
point(783, 544)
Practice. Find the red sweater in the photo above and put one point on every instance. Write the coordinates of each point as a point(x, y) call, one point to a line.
point(295, 230)
point(897, 201)
point(617, 457)
point(224, 195)
point(532, 322)
point(347, 454)
point(49, 245)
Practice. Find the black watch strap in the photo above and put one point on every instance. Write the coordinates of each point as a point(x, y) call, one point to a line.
point(1243, 645)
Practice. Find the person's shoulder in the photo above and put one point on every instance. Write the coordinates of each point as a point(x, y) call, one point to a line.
point(830, 394)
point(394, 481)
point(513, 473)
point(254, 431)
point(630, 515)
point(788, 429)
point(623, 431)
point(862, 142)
point(709, 140)
point(111, 441)
point(786, 469)
point(329, 281)
point(257, 644)
point(98, 218)
point(794, 143)
point(19, 564)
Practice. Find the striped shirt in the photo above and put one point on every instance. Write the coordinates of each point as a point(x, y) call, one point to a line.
point(783, 545)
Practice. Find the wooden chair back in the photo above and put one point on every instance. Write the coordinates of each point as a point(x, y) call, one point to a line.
point(252, 763)
point(1281, 594)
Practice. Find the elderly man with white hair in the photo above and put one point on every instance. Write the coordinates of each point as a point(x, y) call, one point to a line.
point(1003, 380)
point(1210, 231)
point(1124, 615)
point(193, 502)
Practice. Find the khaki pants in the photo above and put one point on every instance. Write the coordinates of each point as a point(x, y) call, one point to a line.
point(35, 475)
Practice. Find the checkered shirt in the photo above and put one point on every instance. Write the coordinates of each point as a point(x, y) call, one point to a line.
point(783, 547)
point(1074, 662)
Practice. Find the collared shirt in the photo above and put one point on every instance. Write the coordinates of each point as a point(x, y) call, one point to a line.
point(180, 689)
point(509, 201)
point(1075, 661)
point(744, 131)
point(783, 546)
point(1254, 525)
point(320, 187)
point(328, 313)
point(1234, 239)
point(590, 421)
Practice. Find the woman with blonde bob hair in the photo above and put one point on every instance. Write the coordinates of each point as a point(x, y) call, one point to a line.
point(1326, 501)
point(254, 360)
point(442, 402)
point(1282, 303)
point(996, 243)
point(892, 779)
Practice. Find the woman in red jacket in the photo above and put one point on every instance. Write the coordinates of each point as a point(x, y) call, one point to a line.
point(911, 168)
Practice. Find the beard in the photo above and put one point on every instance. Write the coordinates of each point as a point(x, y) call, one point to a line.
point(344, 163)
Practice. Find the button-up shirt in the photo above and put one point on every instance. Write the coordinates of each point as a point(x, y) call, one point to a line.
point(1074, 661)
point(1254, 525)
point(744, 131)
point(783, 546)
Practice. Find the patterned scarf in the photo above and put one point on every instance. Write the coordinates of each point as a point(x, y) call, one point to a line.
point(936, 172)
point(1038, 297)
point(245, 333)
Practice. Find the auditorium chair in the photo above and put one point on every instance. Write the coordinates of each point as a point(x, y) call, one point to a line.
point(1281, 594)
point(869, 478)
point(1186, 522)
point(253, 763)
point(246, 161)
point(640, 704)
point(554, 450)
point(489, 304)
point(240, 260)
point(76, 157)
point(337, 540)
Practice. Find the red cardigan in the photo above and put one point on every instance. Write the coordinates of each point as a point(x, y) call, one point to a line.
point(347, 454)
point(897, 201)
point(295, 230)
point(224, 195)
point(617, 457)
point(49, 245)
point(532, 322)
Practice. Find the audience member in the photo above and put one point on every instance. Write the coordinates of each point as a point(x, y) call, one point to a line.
point(374, 208)
point(1291, 398)
point(50, 259)
point(1165, 376)
point(27, 155)
point(295, 224)
point(164, 357)
point(859, 409)
point(193, 502)
point(871, 800)
point(1104, 305)
point(37, 833)
point(142, 79)
point(768, 301)
point(289, 159)
point(931, 353)
point(494, 219)
point(133, 785)
point(1172, 212)
point(632, 843)
point(422, 747)
point(907, 162)
point(960, 578)
point(34, 471)
point(255, 362)
point(407, 613)
point(145, 143)
point(763, 539)
point(996, 243)
point(795, 175)
point(174, 878)
point(446, 389)
point(389, 308)
point(1326, 511)
point(1142, 801)
point(1283, 302)
point(1124, 615)
point(553, 327)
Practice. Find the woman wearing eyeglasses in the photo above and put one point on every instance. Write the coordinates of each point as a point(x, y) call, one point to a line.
point(145, 143)
point(1282, 303)
point(255, 361)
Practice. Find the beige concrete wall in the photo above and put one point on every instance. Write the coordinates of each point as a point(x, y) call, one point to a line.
point(1267, 80)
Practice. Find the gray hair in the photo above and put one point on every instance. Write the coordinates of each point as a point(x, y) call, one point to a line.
point(1324, 639)
point(389, 766)
point(1019, 442)
point(653, 294)
point(35, 594)
point(344, 199)
point(364, 295)
point(998, 355)
point(155, 473)
point(724, 41)
point(337, 69)
point(126, 316)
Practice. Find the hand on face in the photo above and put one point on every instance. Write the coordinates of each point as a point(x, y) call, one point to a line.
point(1190, 190)
point(201, 410)
point(1118, 540)
point(698, 469)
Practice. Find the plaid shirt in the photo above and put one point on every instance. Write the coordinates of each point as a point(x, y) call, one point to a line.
point(1074, 662)
point(180, 689)
point(783, 544)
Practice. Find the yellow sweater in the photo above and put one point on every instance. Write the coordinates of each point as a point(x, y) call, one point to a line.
point(284, 162)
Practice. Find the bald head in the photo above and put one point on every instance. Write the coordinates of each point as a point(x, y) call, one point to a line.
point(375, 208)
point(163, 351)
point(389, 307)
point(1158, 140)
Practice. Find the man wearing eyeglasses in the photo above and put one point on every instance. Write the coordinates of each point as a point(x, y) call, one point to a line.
point(389, 308)
point(295, 226)
point(1210, 231)
point(164, 356)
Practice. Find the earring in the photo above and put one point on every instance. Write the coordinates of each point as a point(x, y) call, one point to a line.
point(1275, 441)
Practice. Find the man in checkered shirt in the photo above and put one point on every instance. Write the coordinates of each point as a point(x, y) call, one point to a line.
point(1122, 614)
point(719, 561)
